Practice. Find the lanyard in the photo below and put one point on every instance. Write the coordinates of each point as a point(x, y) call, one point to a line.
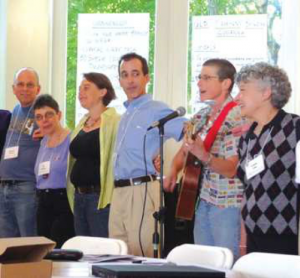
point(52, 151)
point(14, 126)
point(45, 165)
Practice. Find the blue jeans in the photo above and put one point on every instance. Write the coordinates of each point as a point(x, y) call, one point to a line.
point(88, 220)
point(218, 227)
point(18, 204)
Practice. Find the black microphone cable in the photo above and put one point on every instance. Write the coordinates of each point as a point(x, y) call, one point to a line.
point(145, 197)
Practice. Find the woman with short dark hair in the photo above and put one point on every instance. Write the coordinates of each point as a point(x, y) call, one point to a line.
point(54, 216)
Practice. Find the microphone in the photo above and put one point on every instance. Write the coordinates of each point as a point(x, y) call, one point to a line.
point(180, 111)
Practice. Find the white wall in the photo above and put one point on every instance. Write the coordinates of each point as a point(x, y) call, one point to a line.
point(27, 43)
point(3, 24)
point(171, 53)
point(59, 52)
point(289, 54)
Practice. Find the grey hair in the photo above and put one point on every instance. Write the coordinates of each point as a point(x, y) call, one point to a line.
point(268, 76)
point(26, 69)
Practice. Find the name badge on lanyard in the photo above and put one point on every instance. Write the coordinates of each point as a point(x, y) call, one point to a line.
point(44, 168)
point(255, 166)
point(11, 152)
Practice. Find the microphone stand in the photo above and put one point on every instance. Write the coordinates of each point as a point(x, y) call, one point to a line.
point(159, 216)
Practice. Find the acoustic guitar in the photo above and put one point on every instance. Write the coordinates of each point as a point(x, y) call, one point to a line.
point(192, 170)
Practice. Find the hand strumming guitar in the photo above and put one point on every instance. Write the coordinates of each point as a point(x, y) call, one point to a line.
point(196, 147)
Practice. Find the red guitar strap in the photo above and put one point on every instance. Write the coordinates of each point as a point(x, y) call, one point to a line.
point(212, 134)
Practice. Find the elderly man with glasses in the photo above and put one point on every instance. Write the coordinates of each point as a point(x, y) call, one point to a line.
point(17, 184)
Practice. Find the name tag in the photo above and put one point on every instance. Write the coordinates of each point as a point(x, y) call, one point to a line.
point(255, 166)
point(11, 152)
point(44, 168)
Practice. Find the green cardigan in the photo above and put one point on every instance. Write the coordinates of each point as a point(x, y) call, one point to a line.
point(108, 132)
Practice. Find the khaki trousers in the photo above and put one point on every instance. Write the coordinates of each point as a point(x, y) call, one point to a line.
point(126, 212)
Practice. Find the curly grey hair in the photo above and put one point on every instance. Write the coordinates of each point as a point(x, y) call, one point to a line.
point(268, 76)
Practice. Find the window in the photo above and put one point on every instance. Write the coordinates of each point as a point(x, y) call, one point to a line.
point(226, 9)
point(77, 7)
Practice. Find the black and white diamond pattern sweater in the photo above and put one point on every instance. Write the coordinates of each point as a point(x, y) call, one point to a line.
point(270, 204)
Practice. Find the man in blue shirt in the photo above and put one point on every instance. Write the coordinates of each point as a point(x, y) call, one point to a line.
point(136, 193)
point(17, 184)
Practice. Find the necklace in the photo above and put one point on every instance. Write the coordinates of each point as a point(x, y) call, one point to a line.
point(89, 123)
point(55, 140)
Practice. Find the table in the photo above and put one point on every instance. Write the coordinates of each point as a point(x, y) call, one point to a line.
point(71, 269)
point(84, 269)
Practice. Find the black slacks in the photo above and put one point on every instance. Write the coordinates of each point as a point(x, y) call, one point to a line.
point(54, 216)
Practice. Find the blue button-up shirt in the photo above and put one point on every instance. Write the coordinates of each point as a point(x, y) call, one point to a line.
point(129, 150)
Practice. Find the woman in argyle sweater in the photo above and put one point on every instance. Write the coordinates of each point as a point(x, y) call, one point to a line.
point(267, 160)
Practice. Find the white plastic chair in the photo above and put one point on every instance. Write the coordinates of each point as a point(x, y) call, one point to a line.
point(212, 256)
point(97, 245)
point(266, 265)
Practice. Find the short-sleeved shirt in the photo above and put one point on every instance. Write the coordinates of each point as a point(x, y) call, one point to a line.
point(57, 157)
point(216, 188)
point(19, 134)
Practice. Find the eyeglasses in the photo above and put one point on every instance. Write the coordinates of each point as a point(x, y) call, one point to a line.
point(205, 77)
point(48, 115)
point(21, 85)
